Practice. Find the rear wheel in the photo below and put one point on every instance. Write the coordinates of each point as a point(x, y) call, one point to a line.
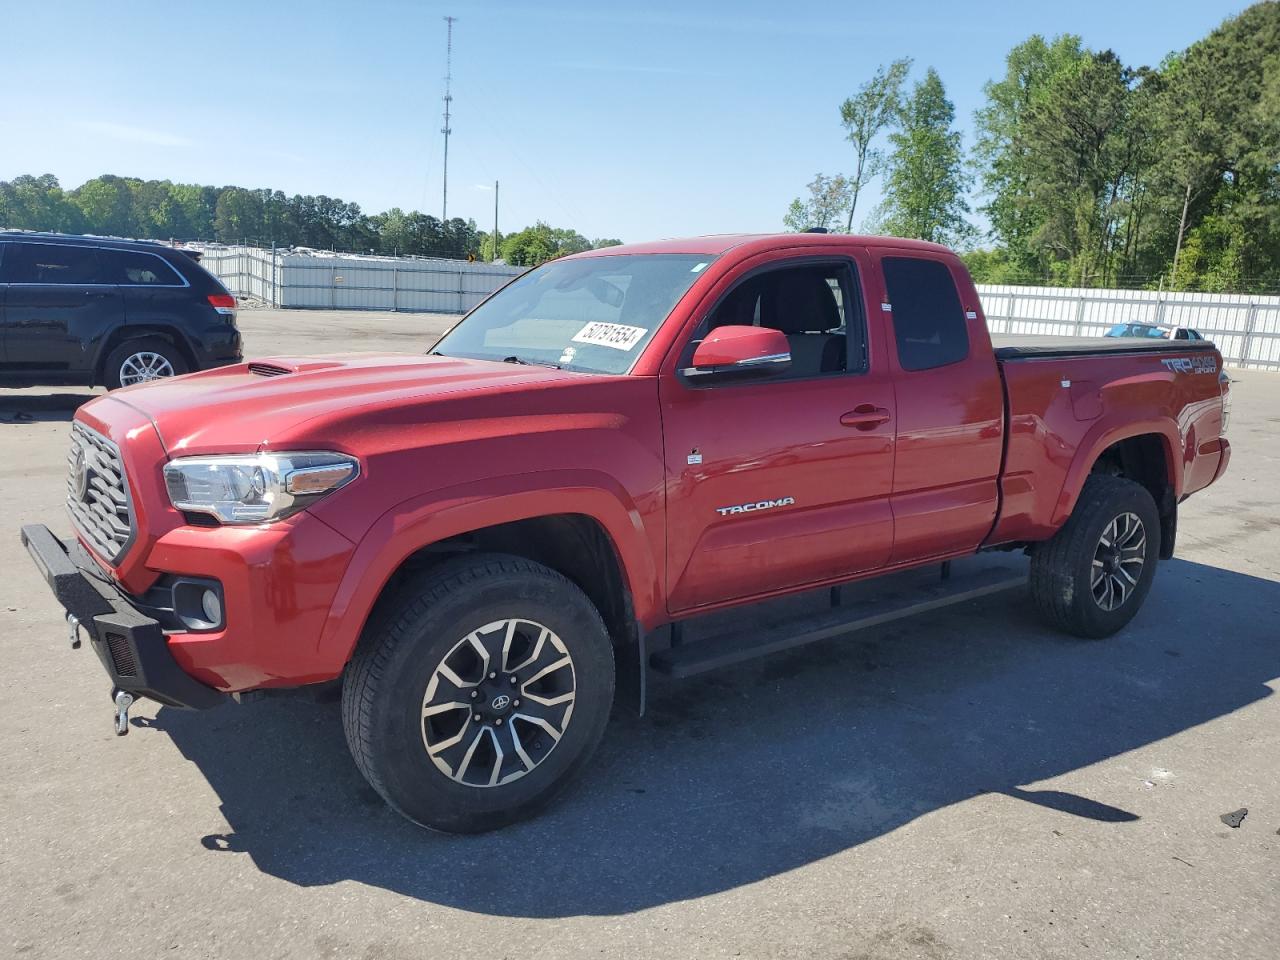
point(142, 360)
point(478, 693)
point(1093, 575)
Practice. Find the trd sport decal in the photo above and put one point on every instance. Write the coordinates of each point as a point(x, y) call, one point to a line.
point(753, 507)
point(1191, 364)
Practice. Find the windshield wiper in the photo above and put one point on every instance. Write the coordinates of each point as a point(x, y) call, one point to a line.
point(530, 363)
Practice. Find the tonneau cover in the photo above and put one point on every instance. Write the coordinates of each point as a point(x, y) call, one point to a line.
point(1025, 347)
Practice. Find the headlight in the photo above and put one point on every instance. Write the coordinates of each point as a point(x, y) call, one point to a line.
point(256, 488)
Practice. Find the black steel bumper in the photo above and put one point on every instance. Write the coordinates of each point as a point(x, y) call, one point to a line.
point(132, 646)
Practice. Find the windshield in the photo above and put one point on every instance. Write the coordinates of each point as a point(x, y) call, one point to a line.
point(594, 314)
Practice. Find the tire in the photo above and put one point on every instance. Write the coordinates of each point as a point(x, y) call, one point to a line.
point(145, 355)
point(1079, 583)
point(421, 649)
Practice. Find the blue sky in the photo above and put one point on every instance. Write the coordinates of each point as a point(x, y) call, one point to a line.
point(639, 120)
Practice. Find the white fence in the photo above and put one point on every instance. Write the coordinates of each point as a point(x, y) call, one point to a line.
point(1245, 328)
point(346, 282)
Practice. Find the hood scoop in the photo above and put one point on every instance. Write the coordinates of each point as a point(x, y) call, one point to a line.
point(278, 367)
point(267, 369)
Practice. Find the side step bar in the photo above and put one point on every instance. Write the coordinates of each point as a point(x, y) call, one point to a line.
point(724, 649)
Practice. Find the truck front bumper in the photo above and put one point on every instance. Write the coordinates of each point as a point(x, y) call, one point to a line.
point(131, 645)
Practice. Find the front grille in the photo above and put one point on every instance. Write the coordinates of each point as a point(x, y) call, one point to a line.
point(121, 655)
point(98, 493)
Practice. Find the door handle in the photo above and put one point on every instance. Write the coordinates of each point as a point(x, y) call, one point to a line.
point(865, 416)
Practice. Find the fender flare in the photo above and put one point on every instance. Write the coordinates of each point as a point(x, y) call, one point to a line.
point(1105, 434)
point(430, 518)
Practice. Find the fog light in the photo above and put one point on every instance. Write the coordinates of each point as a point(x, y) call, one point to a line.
point(212, 607)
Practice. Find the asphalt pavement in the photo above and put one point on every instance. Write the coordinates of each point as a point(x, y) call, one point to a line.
point(967, 784)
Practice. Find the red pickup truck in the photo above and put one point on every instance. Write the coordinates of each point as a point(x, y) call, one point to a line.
point(477, 540)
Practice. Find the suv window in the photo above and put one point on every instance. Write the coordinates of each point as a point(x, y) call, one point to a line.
point(928, 321)
point(51, 263)
point(128, 266)
point(813, 305)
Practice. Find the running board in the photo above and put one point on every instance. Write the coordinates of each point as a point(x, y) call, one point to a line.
point(725, 649)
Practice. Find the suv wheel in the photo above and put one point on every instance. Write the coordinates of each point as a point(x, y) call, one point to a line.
point(1091, 577)
point(138, 361)
point(478, 692)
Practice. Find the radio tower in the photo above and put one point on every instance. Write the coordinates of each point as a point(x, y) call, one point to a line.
point(448, 98)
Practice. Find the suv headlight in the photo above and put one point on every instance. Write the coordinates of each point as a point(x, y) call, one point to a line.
point(257, 487)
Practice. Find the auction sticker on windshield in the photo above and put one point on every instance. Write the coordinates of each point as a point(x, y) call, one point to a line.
point(620, 336)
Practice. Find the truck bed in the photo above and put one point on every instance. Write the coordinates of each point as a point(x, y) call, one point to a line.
point(1027, 347)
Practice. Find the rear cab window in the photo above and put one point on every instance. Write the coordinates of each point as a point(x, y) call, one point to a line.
point(929, 324)
point(134, 268)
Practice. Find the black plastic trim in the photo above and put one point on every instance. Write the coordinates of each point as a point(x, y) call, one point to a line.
point(139, 643)
point(1038, 348)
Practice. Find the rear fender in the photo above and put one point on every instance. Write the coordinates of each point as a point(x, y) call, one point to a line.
point(1105, 434)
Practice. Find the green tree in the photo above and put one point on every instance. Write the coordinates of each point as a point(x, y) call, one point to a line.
point(1219, 123)
point(925, 177)
point(107, 206)
point(540, 243)
point(38, 203)
point(238, 215)
point(864, 116)
point(830, 198)
point(1001, 157)
point(1087, 133)
point(393, 231)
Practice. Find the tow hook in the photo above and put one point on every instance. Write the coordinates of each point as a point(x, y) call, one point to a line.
point(124, 700)
point(73, 628)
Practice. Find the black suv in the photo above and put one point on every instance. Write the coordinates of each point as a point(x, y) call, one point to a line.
point(114, 312)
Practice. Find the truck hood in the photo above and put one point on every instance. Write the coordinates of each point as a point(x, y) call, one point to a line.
point(244, 407)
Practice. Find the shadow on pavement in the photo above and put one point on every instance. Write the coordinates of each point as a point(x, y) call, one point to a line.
point(19, 408)
point(761, 769)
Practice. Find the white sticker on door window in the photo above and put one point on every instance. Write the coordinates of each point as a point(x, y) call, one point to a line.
point(616, 335)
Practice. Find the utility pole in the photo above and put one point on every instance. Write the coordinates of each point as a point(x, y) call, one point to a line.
point(494, 244)
point(448, 99)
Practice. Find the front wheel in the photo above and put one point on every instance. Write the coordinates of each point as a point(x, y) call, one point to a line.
point(478, 693)
point(1092, 576)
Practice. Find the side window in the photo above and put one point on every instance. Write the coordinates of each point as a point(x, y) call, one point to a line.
point(127, 266)
point(813, 304)
point(52, 263)
point(928, 321)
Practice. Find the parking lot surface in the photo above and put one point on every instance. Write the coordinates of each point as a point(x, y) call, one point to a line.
point(967, 784)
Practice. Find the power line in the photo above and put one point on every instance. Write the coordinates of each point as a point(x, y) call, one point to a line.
point(448, 99)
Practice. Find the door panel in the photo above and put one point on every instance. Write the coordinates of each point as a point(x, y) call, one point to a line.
point(54, 327)
point(950, 416)
point(56, 310)
point(774, 442)
point(777, 483)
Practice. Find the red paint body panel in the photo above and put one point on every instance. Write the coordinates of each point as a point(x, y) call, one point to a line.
point(1052, 448)
point(834, 478)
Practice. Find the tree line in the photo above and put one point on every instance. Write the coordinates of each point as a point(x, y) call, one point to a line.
point(1088, 171)
point(162, 210)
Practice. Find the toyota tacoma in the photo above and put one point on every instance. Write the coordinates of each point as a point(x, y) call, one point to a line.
point(480, 541)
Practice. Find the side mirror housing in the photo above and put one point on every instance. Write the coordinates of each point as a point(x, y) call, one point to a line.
point(741, 352)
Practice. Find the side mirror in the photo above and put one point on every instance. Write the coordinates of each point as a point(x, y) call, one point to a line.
point(741, 352)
